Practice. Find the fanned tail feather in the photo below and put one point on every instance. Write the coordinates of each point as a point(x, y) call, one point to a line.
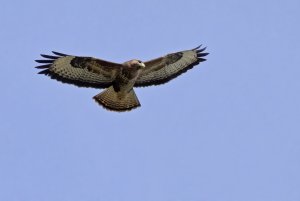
point(117, 101)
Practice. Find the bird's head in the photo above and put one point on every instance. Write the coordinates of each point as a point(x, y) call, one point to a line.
point(136, 63)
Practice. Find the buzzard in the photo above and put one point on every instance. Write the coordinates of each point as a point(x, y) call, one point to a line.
point(118, 79)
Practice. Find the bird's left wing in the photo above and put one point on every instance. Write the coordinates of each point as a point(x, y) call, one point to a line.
point(163, 69)
point(79, 71)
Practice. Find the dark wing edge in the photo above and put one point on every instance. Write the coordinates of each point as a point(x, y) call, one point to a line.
point(48, 62)
point(200, 58)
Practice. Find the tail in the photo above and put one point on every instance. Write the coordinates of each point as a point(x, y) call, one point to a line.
point(115, 101)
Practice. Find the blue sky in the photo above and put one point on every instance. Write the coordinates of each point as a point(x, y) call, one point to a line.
point(228, 130)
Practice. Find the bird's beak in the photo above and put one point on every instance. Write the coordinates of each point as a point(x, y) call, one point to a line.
point(142, 65)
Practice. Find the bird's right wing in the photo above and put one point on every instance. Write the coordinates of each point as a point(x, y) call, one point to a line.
point(80, 71)
point(163, 69)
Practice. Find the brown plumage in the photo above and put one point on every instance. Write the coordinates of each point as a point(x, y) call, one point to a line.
point(119, 79)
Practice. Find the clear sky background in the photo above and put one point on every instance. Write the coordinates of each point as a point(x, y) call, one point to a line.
point(227, 130)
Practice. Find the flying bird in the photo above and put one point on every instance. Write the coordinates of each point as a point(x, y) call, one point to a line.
point(119, 79)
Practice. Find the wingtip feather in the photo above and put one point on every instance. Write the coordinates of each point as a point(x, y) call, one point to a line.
point(59, 54)
point(45, 72)
point(49, 56)
point(201, 50)
point(201, 59)
point(44, 61)
point(43, 66)
point(196, 48)
point(202, 54)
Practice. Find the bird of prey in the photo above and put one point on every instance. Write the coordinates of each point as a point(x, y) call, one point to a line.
point(119, 79)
